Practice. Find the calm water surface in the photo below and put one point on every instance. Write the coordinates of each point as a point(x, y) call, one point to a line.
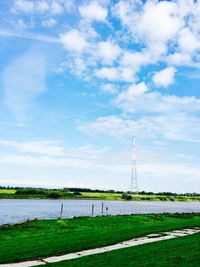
point(12, 210)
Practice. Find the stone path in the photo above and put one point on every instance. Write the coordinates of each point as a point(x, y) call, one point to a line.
point(130, 243)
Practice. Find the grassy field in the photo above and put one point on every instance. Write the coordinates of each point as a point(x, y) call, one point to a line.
point(180, 252)
point(137, 197)
point(38, 239)
point(63, 194)
point(7, 191)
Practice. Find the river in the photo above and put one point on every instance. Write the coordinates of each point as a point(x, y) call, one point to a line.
point(17, 210)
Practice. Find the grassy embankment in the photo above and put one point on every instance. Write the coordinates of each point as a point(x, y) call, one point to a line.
point(180, 252)
point(38, 239)
point(64, 194)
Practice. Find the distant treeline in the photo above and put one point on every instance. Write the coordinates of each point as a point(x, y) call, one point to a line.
point(77, 191)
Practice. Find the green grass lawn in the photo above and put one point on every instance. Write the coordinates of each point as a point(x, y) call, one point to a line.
point(180, 252)
point(40, 239)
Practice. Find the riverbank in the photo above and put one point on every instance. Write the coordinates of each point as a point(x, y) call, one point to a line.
point(65, 259)
point(44, 238)
point(63, 194)
point(173, 252)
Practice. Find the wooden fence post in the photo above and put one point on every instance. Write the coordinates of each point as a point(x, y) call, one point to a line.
point(102, 208)
point(92, 210)
point(61, 211)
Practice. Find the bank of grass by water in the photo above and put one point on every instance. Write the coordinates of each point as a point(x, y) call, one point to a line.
point(180, 252)
point(43, 238)
point(32, 193)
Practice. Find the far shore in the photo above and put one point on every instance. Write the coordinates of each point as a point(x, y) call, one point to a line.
point(89, 194)
point(134, 199)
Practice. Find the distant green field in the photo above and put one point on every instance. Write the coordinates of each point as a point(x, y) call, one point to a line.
point(26, 193)
point(7, 191)
point(180, 252)
point(115, 196)
point(108, 196)
point(43, 238)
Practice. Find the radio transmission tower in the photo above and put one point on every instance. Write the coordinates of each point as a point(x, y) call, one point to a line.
point(134, 181)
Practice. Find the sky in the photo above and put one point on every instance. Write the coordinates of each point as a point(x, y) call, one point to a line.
point(79, 79)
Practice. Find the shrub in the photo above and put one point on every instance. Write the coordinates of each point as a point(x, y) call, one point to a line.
point(54, 195)
point(77, 193)
point(126, 196)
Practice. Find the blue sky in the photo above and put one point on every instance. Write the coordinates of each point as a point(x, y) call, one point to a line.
point(79, 78)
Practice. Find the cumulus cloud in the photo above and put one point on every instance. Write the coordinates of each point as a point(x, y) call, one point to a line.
point(142, 20)
point(39, 6)
point(179, 59)
point(116, 74)
point(73, 41)
point(132, 92)
point(108, 73)
point(155, 102)
point(23, 6)
point(24, 80)
point(165, 77)
point(137, 42)
point(93, 11)
point(135, 60)
point(188, 41)
point(108, 51)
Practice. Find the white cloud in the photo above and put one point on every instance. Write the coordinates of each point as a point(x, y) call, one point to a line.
point(50, 148)
point(41, 6)
point(138, 42)
point(135, 60)
point(27, 82)
point(93, 11)
point(116, 74)
point(56, 8)
point(132, 92)
point(155, 102)
point(73, 41)
point(50, 154)
point(118, 127)
point(164, 14)
point(69, 5)
point(108, 73)
point(109, 88)
point(108, 51)
point(179, 59)
point(164, 77)
point(45, 161)
point(23, 6)
point(188, 41)
point(142, 20)
point(183, 127)
point(49, 23)
point(31, 36)
point(21, 25)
